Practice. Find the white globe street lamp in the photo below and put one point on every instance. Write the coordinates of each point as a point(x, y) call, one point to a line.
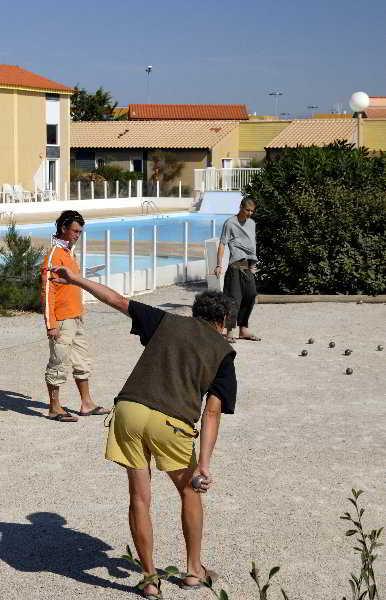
point(359, 101)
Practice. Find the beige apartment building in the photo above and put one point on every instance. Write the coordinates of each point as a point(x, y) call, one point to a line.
point(34, 132)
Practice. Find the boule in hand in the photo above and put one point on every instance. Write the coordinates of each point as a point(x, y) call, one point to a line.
point(197, 482)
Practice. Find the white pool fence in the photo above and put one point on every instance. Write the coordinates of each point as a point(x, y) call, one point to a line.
point(139, 281)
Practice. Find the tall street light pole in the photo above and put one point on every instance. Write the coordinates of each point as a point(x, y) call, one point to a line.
point(148, 70)
point(276, 95)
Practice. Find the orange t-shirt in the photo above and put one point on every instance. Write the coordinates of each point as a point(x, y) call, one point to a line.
point(59, 301)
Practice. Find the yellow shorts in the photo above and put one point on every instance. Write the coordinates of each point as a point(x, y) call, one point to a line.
point(137, 433)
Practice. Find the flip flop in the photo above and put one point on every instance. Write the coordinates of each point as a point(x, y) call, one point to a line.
point(210, 577)
point(230, 339)
point(251, 338)
point(98, 410)
point(63, 418)
point(157, 583)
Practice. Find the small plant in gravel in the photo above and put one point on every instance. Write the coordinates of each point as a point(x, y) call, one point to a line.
point(363, 585)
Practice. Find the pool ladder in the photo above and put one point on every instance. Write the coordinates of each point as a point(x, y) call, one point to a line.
point(149, 206)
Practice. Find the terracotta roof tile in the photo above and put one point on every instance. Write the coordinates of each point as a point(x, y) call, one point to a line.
point(149, 134)
point(315, 132)
point(205, 112)
point(12, 76)
point(375, 113)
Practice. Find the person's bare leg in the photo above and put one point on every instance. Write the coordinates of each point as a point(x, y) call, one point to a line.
point(140, 521)
point(192, 522)
point(53, 393)
point(86, 403)
point(229, 335)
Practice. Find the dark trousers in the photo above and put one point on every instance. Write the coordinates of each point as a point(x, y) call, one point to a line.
point(240, 285)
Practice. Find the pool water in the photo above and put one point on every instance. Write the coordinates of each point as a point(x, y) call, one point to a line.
point(119, 263)
point(170, 228)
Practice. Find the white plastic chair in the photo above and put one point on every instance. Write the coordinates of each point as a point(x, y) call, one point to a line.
point(7, 193)
point(20, 194)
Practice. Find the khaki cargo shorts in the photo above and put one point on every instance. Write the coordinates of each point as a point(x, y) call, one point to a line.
point(137, 433)
point(69, 350)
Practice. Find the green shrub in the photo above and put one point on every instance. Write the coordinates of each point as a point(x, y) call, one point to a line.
point(117, 173)
point(321, 221)
point(19, 272)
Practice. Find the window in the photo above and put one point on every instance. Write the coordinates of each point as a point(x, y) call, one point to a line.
point(245, 163)
point(101, 163)
point(52, 96)
point(52, 175)
point(137, 165)
point(52, 134)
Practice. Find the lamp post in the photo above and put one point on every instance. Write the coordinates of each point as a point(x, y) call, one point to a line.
point(359, 101)
point(276, 95)
point(148, 70)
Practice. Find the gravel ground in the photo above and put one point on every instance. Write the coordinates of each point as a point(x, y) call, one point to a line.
point(303, 435)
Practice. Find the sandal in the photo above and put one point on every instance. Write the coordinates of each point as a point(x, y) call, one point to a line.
point(65, 417)
point(251, 338)
point(230, 339)
point(98, 410)
point(210, 577)
point(156, 581)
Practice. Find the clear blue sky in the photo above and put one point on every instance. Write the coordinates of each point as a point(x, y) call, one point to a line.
point(204, 51)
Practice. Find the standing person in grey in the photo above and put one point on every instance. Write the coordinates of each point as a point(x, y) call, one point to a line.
point(239, 234)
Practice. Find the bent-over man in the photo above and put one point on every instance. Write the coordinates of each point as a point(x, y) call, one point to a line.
point(156, 411)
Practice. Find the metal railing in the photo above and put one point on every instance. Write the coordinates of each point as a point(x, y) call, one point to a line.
point(132, 284)
point(85, 190)
point(226, 180)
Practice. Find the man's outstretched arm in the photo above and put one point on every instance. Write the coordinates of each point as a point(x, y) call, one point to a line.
point(99, 291)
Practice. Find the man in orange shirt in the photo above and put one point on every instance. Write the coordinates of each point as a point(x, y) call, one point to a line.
point(63, 314)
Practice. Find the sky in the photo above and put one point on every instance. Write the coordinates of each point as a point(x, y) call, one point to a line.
point(316, 52)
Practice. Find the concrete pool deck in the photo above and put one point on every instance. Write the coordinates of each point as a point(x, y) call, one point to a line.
point(50, 217)
point(303, 435)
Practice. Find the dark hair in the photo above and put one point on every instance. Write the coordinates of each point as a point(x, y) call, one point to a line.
point(247, 199)
point(66, 218)
point(212, 306)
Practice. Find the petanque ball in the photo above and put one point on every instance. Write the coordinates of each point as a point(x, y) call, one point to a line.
point(303, 353)
point(331, 345)
point(380, 347)
point(347, 352)
point(197, 481)
point(349, 371)
point(311, 341)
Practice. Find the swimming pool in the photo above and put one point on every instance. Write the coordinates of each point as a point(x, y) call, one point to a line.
point(170, 239)
point(170, 228)
point(119, 263)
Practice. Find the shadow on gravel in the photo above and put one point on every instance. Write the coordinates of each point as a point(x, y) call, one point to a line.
point(20, 403)
point(47, 545)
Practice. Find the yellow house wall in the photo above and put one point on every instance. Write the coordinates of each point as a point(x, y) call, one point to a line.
point(7, 163)
point(374, 134)
point(31, 136)
point(228, 147)
point(255, 135)
point(191, 159)
point(64, 168)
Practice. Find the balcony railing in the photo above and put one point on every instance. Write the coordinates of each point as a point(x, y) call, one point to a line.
point(226, 180)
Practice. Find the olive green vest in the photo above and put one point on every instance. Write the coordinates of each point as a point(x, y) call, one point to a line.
point(177, 367)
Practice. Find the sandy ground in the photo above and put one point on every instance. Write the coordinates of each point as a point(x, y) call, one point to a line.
point(304, 433)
